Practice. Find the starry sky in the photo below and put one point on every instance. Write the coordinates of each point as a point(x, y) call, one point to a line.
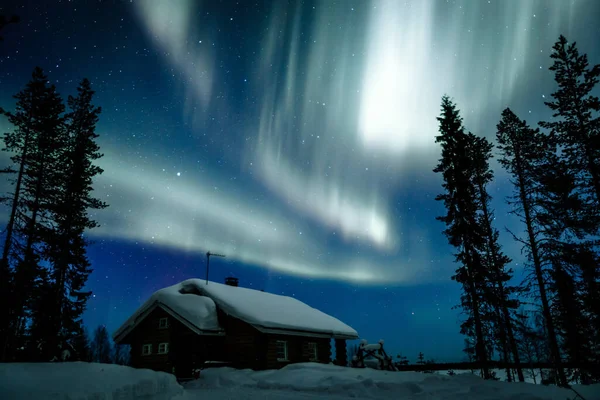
point(295, 137)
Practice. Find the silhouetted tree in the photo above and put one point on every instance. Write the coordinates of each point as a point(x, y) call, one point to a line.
point(576, 127)
point(34, 143)
point(523, 154)
point(571, 324)
point(498, 293)
point(81, 346)
point(575, 130)
point(100, 346)
point(66, 247)
point(564, 225)
point(421, 358)
point(121, 354)
point(462, 226)
point(402, 360)
point(50, 206)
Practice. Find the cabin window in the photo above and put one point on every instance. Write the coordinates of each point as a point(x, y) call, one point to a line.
point(163, 323)
point(146, 349)
point(282, 350)
point(163, 348)
point(312, 351)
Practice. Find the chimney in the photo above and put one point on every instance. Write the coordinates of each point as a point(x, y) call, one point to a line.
point(231, 281)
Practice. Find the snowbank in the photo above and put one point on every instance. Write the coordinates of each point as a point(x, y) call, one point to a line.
point(338, 382)
point(87, 381)
point(80, 380)
point(269, 310)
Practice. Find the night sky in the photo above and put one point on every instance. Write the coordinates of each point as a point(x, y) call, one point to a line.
point(295, 137)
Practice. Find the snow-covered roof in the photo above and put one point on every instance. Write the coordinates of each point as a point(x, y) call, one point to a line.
point(199, 313)
point(193, 303)
point(270, 312)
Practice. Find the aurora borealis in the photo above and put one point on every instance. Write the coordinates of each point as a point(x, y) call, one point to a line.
point(296, 137)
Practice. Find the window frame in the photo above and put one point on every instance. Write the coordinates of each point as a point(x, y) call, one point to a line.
point(160, 323)
point(147, 346)
point(313, 351)
point(166, 345)
point(285, 350)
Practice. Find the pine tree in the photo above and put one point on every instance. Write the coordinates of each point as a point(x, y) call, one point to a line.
point(498, 292)
point(39, 187)
point(564, 226)
point(66, 249)
point(570, 322)
point(402, 360)
point(575, 130)
point(576, 127)
point(121, 354)
point(34, 143)
point(81, 346)
point(584, 261)
point(531, 340)
point(523, 151)
point(462, 228)
point(100, 346)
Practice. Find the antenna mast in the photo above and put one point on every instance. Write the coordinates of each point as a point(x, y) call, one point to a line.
point(208, 254)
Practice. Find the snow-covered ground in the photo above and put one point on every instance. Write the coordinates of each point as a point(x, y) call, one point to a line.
point(84, 381)
point(296, 382)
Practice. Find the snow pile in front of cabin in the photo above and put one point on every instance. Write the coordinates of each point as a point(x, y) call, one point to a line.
point(270, 310)
point(200, 311)
point(300, 381)
point(84, 381)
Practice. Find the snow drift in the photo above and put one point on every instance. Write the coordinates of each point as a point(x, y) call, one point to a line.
point(331, 381)
point(84, 381)
point(87, 381)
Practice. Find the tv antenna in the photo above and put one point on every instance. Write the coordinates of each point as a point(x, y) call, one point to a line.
point(208, 254)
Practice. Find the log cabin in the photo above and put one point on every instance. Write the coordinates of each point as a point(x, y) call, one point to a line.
point(182, 328)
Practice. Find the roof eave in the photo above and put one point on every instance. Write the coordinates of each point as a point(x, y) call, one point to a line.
point(296, 332)
point(122, 332)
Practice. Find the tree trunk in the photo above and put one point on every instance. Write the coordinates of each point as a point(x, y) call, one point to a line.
point(4, 264)
point(480, 351)
point(506, 324)
point(24, 279)
point(554, 349)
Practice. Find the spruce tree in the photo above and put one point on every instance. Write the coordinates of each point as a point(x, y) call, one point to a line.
point(523, 153)
point(571, 324)
point(564, 226)
point(39, 188)
point(584, 261)
point(66, 249)
point(575, 130)
point(121, 354)
point(462, 227)
point(34, 143)
point(576, 127)
point(498, 292)
point(81, 346)
point(100, 346)
point(421, 358)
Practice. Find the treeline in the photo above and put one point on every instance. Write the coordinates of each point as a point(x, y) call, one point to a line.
point(98, 348)
point(44, 265)
point(555, 172)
